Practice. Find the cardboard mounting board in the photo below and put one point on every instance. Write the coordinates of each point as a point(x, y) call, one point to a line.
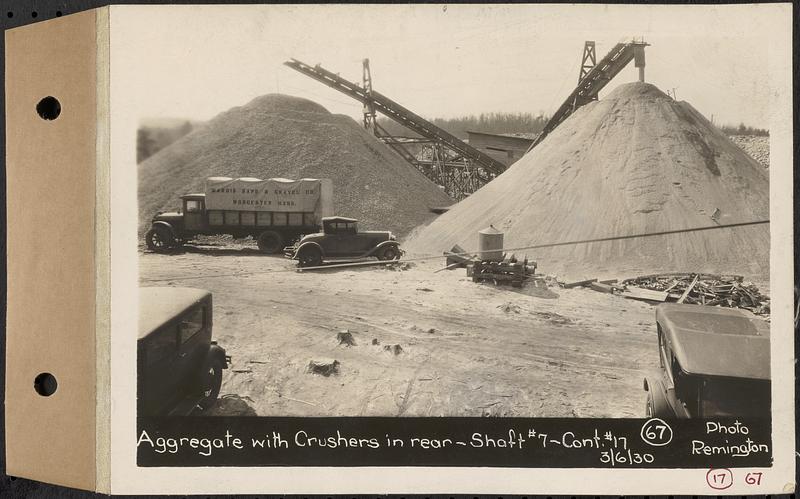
point(59, 178)
point(55, 252)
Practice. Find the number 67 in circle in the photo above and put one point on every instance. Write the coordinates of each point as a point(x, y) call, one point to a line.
point(656, 432)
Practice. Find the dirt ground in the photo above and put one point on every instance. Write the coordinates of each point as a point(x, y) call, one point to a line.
point(466, 349)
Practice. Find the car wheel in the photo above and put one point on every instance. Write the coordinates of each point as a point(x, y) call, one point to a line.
point(657, 406)
point(211, 381)
point(270, 242)
point(309, 257)
point(389, 253)
point(159, 239)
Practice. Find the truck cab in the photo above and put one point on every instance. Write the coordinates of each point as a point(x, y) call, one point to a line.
point(169, 229)
point(194, 212)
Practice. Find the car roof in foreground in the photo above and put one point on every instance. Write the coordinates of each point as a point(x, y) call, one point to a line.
point(716, 341)
point(159, 304)
point(338, 219)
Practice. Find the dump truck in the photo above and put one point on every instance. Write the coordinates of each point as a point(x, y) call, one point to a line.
point(276, 212)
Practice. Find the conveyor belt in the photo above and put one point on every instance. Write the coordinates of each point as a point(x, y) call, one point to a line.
point(399, 114)
point(588, 88)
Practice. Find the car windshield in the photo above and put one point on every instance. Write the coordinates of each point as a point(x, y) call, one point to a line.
point(735, 397)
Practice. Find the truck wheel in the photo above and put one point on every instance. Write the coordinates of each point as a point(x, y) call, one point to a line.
point(210, 383)
point(159, 239)
point(389, 253)
point(270, 242)
point(309, 257)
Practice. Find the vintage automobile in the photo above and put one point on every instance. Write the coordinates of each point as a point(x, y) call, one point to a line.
point(179, 365)
point(271, 230)
point(714, 362)
point(340, 238)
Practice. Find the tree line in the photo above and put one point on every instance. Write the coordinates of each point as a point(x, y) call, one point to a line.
point(151, 139)
point(484, 122)
point(518, 123)
point(743, 129)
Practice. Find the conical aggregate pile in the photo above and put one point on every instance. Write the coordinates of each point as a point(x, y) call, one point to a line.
point(282, 136)
point(634, 162)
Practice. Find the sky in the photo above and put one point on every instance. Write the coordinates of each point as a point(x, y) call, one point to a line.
point(437, 60)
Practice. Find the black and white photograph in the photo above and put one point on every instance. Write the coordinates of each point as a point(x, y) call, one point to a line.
point(502, 249)
point(444, 216)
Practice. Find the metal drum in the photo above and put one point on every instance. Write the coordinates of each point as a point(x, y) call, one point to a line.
point(490, 244)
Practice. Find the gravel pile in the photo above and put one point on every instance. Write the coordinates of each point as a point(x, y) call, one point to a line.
point(756, 147)
point(634, 162)
point(282, 136)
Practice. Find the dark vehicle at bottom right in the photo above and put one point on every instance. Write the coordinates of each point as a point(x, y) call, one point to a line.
point(714, 362)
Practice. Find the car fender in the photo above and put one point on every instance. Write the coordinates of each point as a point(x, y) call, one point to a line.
point(383, 245)
point(667, 396)
point(168, 226)
point(216, 351)
point(308, 244)
point(659, 396)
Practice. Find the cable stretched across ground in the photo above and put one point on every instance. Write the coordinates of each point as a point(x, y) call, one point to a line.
point(505, 250)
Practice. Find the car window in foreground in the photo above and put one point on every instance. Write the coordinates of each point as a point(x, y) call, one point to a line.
point(191, 324)
point(160, 344)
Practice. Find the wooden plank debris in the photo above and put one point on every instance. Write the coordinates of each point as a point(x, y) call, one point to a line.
point(688, 290)
point(705, 289)
point(575, 284)
point(635, 293)
point(603, 288)
point(457, 257)
point(450, 267)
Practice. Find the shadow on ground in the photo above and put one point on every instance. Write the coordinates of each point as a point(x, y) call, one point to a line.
point(232, 405)
point(214, 250)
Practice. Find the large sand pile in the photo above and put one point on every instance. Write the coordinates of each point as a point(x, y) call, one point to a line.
point(281, 136)
point(633, 162)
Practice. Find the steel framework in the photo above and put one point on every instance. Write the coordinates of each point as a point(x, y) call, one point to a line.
point(589, 60)
point(595, 79)
point(370, 116)
point(445, 159)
